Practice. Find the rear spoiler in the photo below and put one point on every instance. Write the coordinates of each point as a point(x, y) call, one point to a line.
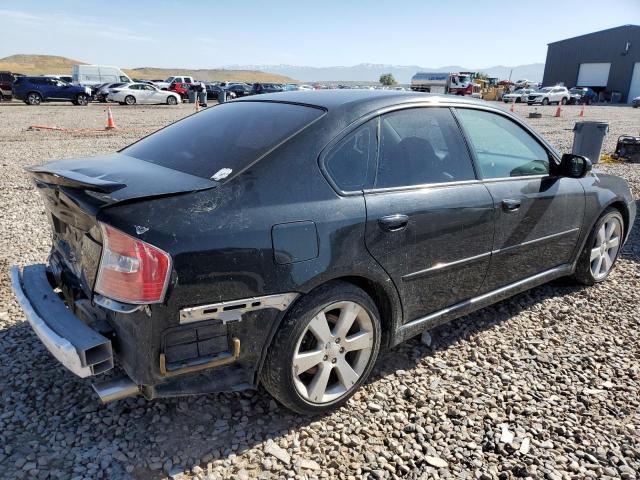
point(117, 178)
point(73, 179)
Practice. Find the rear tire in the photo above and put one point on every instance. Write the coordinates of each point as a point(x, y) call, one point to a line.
point(130, 100)
point(33, 98)
point(324, 349)
point(545, 101)
point(601, 249)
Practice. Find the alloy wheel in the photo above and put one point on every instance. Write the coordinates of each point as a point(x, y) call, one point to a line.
point(605, 247)
point(130, 100)
point(333, 352)
point(33, 99)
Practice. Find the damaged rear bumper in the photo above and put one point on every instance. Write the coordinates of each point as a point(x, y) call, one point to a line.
point(74, 344)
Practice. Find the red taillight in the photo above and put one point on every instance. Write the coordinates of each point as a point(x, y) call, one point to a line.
point(131, 270)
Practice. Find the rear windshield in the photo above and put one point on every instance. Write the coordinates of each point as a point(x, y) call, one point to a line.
point(229, 136)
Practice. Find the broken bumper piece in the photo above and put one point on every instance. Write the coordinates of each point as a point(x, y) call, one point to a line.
point(74, 344)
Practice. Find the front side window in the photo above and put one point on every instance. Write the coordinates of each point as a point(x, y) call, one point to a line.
point(502, 147)
point(421, 146)
point(347, 163)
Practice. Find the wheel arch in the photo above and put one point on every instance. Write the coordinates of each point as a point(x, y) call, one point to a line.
point(617, 203)
point(383, 294)
point(621, 206)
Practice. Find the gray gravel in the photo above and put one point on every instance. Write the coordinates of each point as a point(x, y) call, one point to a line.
point(544, 385)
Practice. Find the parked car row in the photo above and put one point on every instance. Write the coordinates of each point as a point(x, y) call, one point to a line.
point(549, 95)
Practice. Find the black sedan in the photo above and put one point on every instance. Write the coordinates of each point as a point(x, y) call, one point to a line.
point(240, 89)
point(214, 91)
point(285, 239)
point(260, 88)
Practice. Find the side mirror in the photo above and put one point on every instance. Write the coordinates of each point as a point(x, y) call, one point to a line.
point(574, 166)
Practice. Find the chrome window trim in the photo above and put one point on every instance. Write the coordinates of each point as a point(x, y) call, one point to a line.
point(520, 177)
point(421, 186)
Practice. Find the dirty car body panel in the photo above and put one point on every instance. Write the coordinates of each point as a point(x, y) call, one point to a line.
point(254, 223)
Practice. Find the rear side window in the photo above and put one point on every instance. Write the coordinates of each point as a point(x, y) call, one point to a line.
point(503, 148)
point(421, 146)
point(347, 163)
point(228, 136)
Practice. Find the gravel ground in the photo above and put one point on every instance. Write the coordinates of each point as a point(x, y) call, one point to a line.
point(544, 385)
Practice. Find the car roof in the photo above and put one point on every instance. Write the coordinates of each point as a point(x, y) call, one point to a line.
point(330, 99)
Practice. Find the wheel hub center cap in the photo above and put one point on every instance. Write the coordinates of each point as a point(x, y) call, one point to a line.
point(332, 350)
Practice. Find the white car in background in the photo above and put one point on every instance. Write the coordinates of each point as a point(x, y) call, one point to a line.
point(142, 93)
point(525, 84)
point(520, 95)
point(548, 95)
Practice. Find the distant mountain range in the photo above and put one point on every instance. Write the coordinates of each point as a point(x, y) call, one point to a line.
point(364, 72)
point(369, 72)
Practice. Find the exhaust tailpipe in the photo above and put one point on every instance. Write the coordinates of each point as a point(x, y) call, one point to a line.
point(117, 389)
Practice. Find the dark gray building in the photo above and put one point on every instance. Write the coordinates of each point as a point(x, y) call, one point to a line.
point(607, 61)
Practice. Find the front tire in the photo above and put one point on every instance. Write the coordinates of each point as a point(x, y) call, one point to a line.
point(82, 99)
point(171, 100)
point(564, 101)
point(545, 101)
point(130, 100)
point(324, 350)
point(601, 250)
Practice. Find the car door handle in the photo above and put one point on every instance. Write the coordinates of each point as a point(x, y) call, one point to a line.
point(510, 204)
point(393, 223)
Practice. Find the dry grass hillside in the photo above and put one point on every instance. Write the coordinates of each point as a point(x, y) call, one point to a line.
point(150, 73)
point(38, 64)
point(51, 64)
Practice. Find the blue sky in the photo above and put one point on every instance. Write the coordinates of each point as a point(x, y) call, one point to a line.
point(205, 34)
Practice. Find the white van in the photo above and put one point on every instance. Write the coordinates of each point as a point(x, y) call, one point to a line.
point(97, 74)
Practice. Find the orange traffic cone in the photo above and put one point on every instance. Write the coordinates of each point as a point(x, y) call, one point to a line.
point(513, 102)
point(581, 114)
point(110, 123)
point(558, 111)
